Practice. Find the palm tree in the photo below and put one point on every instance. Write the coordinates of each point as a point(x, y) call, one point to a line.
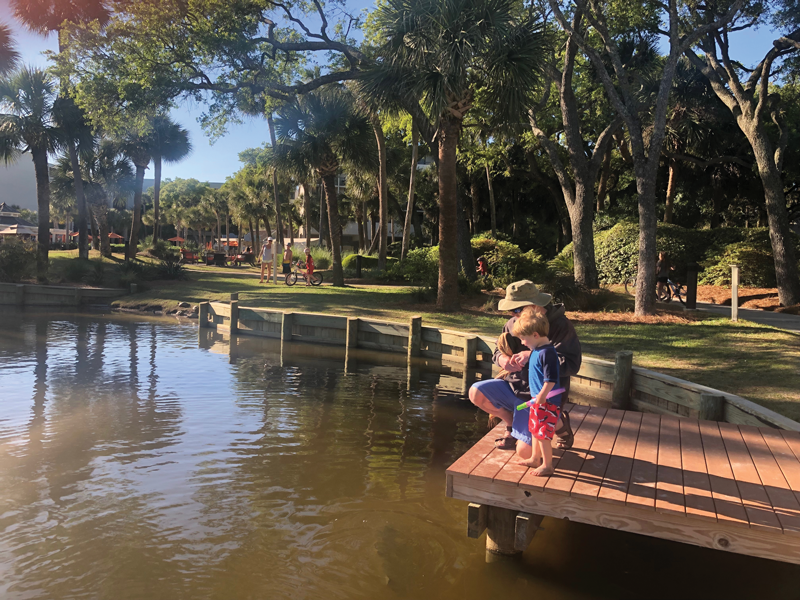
point(325, 132)
point(27, 125)
point(436, 54)
point(9, 57)
point(135, 145)
point(168, 142)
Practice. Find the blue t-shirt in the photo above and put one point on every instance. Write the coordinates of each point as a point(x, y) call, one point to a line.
point(543, 367)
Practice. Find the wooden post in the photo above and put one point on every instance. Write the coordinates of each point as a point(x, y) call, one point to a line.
point(134, 288)
point(414, 336)
point(526, 527)
point(275, 263)
point(78, 295)
point(501, 532)
point(623, 363)
point(352, 333)
point(476, 519)
point(734, 292)
point(712, 407)
point(234, 327)
point(20, 295)
point(470, 349)
point(234, 296)
point(691, 286)
point(286, 327)
point(202, 315)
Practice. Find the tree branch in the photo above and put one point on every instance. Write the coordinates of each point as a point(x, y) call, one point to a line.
point(717, 160)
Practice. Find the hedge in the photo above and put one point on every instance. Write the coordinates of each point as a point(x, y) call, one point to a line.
point(367, 262)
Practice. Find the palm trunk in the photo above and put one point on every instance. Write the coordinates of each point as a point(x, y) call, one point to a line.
point(307, 214)
point(257, 234)
point(329, 183)
point(672, 188)
point(383, 189)
point(322, 218)
point(412, 180)
point(474, 193)
point(447, 295)
point(360, 224)
point(80, 200)
point(43, 221)
point(465, 256)
point(278, 222)
point(491, 202)
point(156, 199)
point(256, 249)
point(101, 215)
point(95, 236)
point(136, 221)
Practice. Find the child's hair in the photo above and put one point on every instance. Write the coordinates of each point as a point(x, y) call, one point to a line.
point(530, 323)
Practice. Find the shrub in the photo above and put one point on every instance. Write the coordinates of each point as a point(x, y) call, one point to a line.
point(421, 266)
point(170, 269)
point(77, 270)
point(118, 248)
point(508, 263)
point(17, 260)
point(323, 258)
point(97, 274)
point(162, 250)
point(367, 262)
point(422, 294)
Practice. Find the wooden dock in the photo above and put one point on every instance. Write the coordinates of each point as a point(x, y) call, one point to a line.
point(717, 485)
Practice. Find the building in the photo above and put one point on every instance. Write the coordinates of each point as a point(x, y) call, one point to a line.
point(11, 224)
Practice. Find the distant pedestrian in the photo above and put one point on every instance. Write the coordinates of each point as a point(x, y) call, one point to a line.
point(287, 259)
point(266, 259)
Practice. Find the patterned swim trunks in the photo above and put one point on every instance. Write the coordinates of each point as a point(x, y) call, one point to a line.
point(543, 420)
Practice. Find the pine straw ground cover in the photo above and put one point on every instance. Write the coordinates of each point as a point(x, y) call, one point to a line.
point(757, 362)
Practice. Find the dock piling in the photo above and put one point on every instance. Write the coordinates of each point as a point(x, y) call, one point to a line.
point(623, 365)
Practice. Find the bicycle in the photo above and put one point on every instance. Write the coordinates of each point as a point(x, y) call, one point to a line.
point(670, 289)
point(298, 268)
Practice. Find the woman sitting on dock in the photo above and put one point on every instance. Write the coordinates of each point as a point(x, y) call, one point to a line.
point(501, 396)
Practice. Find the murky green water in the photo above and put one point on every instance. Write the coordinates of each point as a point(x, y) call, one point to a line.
point(138, 461)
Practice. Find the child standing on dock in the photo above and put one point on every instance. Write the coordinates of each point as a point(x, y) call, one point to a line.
point(543, 367)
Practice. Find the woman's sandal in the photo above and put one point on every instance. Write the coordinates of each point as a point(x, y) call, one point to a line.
point(564, 440)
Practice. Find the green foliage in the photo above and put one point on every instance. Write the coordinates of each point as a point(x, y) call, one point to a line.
point(17, 260)
point(170, 269)
point(118, 248)
point(421, 266)
point(423, 294)
point(508, 263)
point(753, 255)
point(367, 262)
point(77, 270)
point(322, 257)
point(161, 250)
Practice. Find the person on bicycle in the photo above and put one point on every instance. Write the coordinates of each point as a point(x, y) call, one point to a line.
point(663, 269)
point(309, 266)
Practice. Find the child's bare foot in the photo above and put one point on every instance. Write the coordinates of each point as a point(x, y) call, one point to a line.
point(543, 471)
point(530, 462)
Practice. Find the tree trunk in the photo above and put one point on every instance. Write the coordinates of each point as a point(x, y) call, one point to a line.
point(228, 233)
point(95, 236)
point(465, 255)
point(257, 233)
point(475, 193)
point(156, 199)
point(136, 222)
point(412, 181)
point(80, 200)
point(672, 188)
point(256, 249)
point(583, 237)
point(101, 216)
point(383, 189)
point(322, 218)
point(329, 182)
point(274, 142)
point(360, 223)
point(307, 214)
point(416, 220)
point(602, 187)
point(43, 217)
point(447, 296)
point(491, 201)
point(646, 274)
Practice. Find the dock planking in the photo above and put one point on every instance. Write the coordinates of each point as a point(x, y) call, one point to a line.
point(718, 485)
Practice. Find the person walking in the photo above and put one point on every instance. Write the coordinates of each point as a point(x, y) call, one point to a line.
point(266, 259)
point(501, 396)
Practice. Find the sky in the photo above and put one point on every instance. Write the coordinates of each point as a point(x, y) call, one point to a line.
point(215, 162)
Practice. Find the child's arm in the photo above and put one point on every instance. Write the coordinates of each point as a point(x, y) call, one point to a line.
point(541, 397)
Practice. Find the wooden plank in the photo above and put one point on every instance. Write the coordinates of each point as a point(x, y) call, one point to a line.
point(648, 407)
point(513, 472)
point(642, 486)
point(571, 461)
point(664, 387)
point(319, 320)
point(669, 485)
point(724, 491)
point(591, 391)
point(754, 496)
point(696, 485)
point(737, 416)
point(220, 309)
point(593, 368)
point(592, 472)
point(477, 516)
point(788, 462)
point(525, 529)
point(443, 337)
point(492, 464)
point(618, 473)
point(780, 494)
point(475, 455)
point(381, 347)
point(719, 535)
point(255, 314)
point(390, 329)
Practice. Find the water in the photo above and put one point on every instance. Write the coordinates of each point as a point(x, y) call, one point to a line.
point(138, 461)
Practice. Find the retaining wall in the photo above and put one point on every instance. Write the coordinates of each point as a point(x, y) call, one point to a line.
point(599, 382)
point(21, 295)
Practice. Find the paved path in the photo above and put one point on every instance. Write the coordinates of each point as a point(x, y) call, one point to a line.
point(762, 317)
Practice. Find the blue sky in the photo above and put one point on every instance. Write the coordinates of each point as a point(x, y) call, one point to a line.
point(216, 162)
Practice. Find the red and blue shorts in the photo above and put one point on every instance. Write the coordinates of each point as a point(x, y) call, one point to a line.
point(543, 420)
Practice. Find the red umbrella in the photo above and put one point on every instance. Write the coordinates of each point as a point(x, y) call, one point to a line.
point(176, 239)
point(114, 236)
point(76, 235)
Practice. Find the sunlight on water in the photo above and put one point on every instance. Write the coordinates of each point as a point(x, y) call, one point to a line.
point(138, 461)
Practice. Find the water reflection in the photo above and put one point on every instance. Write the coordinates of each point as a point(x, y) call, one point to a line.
point(135, 464)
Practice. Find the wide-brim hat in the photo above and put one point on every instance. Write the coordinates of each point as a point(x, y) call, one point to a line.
point(523, 293)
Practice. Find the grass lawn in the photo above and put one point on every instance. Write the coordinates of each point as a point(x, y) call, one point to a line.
point(754, 361)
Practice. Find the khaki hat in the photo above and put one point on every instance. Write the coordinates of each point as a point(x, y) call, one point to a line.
point(523, 293)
